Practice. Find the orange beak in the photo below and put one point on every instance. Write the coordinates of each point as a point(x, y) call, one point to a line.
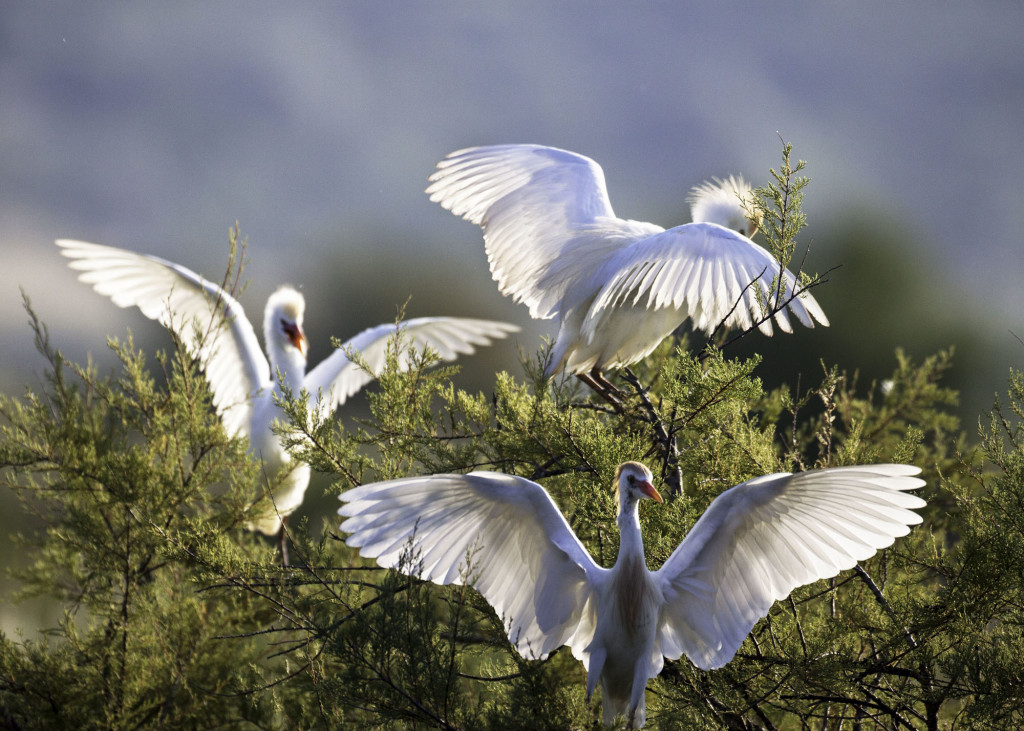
point(295, 336)
point(648, 489)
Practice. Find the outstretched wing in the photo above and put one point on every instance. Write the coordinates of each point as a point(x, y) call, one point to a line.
point(195, 308)
point(524, 558)
point(706, 271)
point(337, 377)
point(763, 538)
point(545, 213)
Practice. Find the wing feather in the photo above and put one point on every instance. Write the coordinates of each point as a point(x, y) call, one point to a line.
point(546, 216)
point(336, 378)
point(700, 269)
point(525, 559)
point(195, 308)
point(763, 538)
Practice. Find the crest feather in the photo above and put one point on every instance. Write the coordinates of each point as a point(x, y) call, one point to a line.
point(289, 302)
point(722, 202)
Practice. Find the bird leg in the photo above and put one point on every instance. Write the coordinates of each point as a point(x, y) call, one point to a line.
point(604, 388)
point(637, 699)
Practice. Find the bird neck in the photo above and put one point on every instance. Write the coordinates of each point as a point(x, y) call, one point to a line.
point(292, 366)
point(631, 543)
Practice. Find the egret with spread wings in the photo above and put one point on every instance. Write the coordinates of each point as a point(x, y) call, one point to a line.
point(754, 544)
point(243, 382)
point(617, 287)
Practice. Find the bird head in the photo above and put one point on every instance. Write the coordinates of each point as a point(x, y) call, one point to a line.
point(633, 481)
point(282, 323)
point(726, 202)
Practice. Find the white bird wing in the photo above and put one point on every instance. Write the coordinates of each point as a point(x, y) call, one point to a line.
point(337, 377)
point(763, 538)
point(703, 270)
point(525, 559)
point(190, 305)
point(545, 213)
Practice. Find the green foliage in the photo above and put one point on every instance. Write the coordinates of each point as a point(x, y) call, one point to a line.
point(777, 206)
point(125, 474)
point(176, 616)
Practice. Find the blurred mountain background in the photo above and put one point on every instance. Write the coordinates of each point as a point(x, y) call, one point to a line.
point(156, 126)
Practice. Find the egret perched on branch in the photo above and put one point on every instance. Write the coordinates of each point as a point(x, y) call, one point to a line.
point(243, 383)
point(617, 287)
point(755, 543)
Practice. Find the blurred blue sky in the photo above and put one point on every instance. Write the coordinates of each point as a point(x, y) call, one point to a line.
point(154, 126)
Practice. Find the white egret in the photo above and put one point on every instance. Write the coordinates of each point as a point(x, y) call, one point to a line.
point(243, 383)
point(755, 543)
point(617, 287)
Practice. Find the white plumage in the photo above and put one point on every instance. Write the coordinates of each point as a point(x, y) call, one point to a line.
point(617, 287)
point(242, 380)
point(755, 543)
